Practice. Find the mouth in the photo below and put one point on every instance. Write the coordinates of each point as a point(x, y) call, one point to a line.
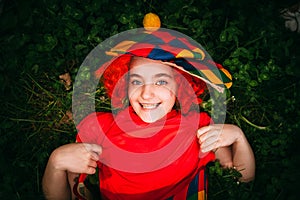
point(149, 106)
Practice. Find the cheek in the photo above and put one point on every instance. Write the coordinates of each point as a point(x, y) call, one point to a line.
point(129, 92)
point(169, 101)
point(167, 94)
point(133, 94)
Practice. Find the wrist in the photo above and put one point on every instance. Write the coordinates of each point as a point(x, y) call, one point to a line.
point(55, 161)
point(240, 137)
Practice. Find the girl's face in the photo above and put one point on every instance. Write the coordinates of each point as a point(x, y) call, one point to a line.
point(152, 89)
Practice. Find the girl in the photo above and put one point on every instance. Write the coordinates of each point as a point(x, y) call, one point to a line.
point(157, 145)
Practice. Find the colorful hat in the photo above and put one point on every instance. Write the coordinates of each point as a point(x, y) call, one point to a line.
point(177, 50)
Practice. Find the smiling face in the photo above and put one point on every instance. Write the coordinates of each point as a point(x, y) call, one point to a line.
point(152, 89)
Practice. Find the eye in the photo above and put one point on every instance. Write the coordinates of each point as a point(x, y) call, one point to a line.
point(161, 82)
point(136, 82)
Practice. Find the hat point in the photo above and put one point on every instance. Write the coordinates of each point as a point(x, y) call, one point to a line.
point(151, 22)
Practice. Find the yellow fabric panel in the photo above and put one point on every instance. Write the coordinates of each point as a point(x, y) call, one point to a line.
point(228, 85)
point(227, 73)
point(185, 54)
point(212, 77)
point(201, 195)
point(123, 46)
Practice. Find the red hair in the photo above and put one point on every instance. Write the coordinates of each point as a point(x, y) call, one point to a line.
point(115, 82)
point(189, 90)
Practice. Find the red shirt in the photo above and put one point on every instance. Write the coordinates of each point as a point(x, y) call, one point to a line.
point(142, 160)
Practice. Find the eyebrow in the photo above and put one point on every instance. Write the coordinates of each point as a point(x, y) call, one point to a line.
point(162, 75)
point(156, 75)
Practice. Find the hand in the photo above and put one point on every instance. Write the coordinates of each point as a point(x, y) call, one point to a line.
point(218, 135)
point(76, 158)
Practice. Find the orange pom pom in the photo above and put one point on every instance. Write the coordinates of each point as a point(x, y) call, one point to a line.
point(151, 22)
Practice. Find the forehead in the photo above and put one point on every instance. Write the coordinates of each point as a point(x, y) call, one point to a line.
point(148, 66)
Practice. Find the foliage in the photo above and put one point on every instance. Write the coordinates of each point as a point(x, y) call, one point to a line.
point(41, 40)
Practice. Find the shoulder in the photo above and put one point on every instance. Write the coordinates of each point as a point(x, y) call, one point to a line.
point(95, 123)
point(92, 128)
point(203, 118)
point(96, 118)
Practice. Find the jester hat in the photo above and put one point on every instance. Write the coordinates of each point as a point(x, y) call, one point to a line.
point(177, 50)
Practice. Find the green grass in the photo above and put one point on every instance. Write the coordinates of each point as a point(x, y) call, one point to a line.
point(41, 40)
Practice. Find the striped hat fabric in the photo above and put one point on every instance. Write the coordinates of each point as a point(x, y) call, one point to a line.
point(177, 50)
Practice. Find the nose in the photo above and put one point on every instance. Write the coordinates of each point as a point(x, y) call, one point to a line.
point(147, 91)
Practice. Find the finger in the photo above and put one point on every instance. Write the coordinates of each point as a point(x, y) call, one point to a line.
point(90, 170)
point(94, 156)
point(89, 167)
point(92, 164)
point(96, 148)
point(209, 134)
point(212, 139)
point(210, 143)
point(203, 130)
point(207, 148)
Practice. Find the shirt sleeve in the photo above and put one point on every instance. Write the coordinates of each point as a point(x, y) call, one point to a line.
point(93, 127)
point(204, 119)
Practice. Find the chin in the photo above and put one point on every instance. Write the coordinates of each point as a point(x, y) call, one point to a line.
point(151, 119)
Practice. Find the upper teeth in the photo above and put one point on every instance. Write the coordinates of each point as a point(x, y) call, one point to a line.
point(149, 106)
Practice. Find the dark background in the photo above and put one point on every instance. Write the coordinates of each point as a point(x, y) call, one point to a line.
point(42, 39)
